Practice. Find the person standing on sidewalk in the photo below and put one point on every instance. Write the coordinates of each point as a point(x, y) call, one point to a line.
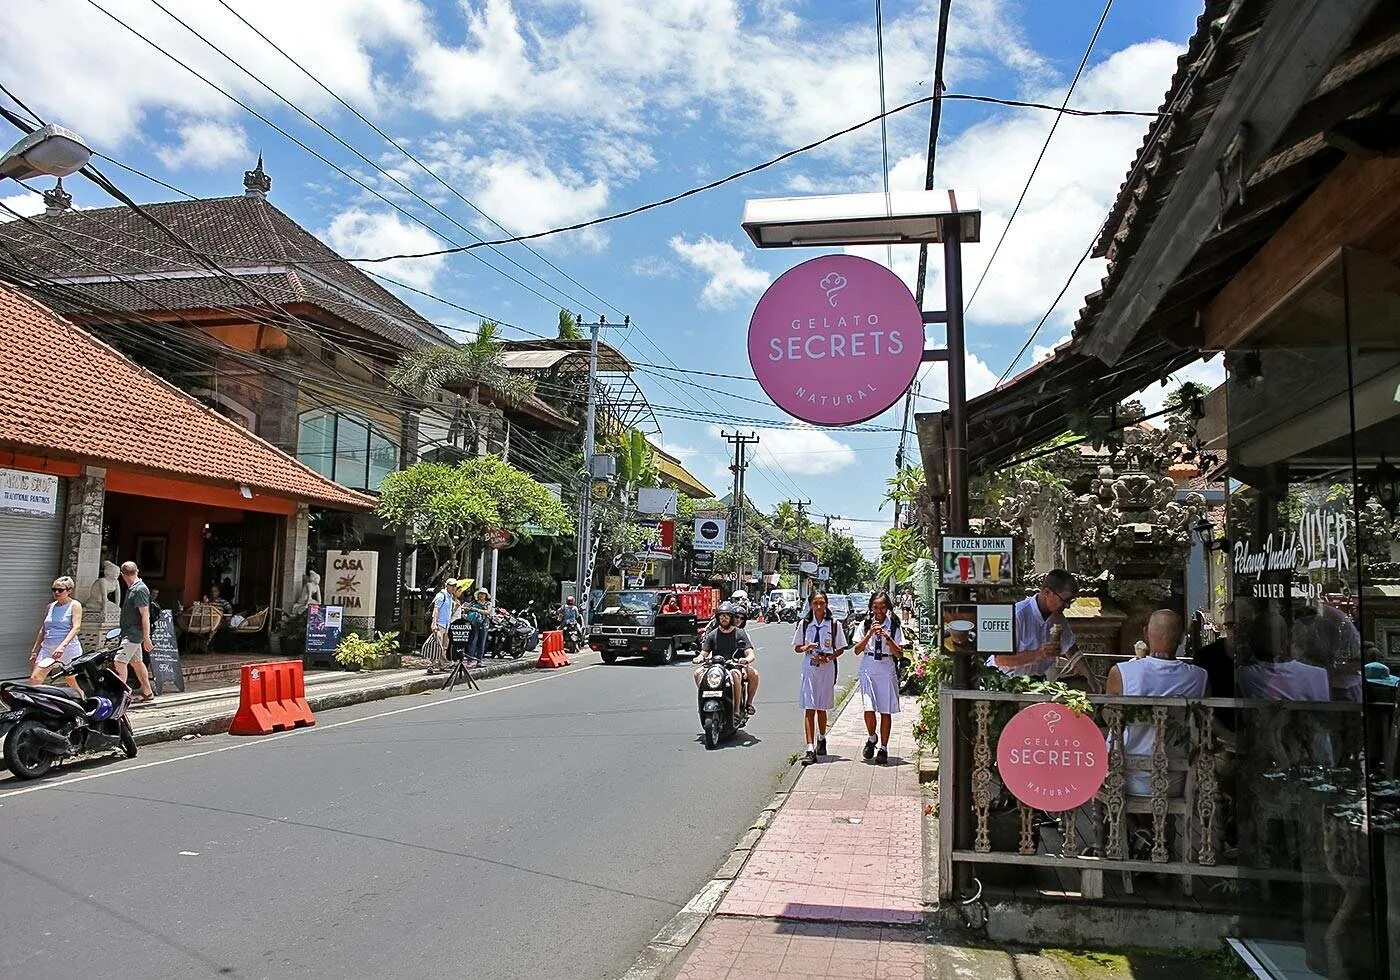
point(478, 618)
point(820, 639)
point(441, 639)
point(879, 642)
point(135, 626)
point(57, 641)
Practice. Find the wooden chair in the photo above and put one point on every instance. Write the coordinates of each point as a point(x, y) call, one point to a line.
point(248, 631)
point(200, 622)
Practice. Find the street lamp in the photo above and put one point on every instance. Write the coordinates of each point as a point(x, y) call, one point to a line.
point(50, 150)
point(902, 218)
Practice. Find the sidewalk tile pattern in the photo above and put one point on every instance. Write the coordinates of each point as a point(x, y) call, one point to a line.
point(834, 887)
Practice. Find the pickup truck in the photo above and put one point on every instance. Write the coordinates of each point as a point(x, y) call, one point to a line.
point(632, 624)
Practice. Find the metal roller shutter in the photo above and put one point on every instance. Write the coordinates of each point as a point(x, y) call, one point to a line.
point(29, 561)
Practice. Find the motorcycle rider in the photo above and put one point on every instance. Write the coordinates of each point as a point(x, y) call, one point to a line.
point(569, 621)
point(728, 642)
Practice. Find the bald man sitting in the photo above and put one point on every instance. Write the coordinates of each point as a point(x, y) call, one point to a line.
point(1157, 675)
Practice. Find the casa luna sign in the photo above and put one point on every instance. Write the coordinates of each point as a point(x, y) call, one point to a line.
point(836, 340)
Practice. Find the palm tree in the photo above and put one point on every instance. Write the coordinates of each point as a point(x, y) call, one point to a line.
point(475, 365)
point(636, 463)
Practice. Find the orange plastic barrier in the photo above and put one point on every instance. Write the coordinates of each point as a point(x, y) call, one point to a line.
point(552, 650)
point(271, 697)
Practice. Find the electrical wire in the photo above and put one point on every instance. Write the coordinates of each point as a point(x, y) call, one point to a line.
point(1054, 124)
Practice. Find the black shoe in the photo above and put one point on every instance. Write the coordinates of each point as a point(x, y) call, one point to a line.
point(868, 752)
point(809, 758)
point(821, 746)
point(882, 757)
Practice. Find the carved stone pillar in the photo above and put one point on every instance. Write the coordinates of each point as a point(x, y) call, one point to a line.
point(82, 525)
point(295, 533)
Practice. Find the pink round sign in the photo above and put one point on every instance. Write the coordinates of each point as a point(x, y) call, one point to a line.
point(1052, 759)
point(836, 340)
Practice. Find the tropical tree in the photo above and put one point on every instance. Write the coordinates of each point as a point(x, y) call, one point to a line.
point(447, 509)
point(568, 326)
point(841, 555)
point(636, 461)
point(475, 365)
point(900, 548)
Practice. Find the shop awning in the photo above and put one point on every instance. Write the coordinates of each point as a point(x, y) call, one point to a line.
point(1127, 335)
point(75, 399)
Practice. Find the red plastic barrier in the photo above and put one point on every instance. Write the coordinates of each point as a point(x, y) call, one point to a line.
point(552, 650)
point(271, 697)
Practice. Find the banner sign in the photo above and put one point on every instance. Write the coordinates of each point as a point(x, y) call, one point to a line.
point(977, 561)
point(28, 493)
point(978, 627)
point(1052, 759)
point(352, 581)
point(836, 340)
point(165, 655)
point(709, 533)
point(658, 539)
point(657, 501)
point(323, 628)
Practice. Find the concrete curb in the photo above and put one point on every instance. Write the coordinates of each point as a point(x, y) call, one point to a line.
point(657, 956)
point(217, 722)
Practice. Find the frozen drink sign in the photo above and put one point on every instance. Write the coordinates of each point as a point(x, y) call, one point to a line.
point(836, 340)
point(1052, 759)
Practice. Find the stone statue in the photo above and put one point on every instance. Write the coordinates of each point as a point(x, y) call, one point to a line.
point(100, 609)
point(310, 592)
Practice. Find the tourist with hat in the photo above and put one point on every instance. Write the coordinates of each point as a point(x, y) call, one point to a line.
point(478, 613)
point(439, 640)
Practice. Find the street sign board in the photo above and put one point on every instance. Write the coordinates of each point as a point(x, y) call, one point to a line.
point(352, 579)
point(165, 654)
point(978, 561)
point(709, 533)
point(658, 539)
point(823, 573)
point(657, 501)
point(808, 568)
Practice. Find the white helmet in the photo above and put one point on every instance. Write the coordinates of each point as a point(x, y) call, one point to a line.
point(740, 595)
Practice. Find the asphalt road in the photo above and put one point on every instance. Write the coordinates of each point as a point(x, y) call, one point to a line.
point(545, 827)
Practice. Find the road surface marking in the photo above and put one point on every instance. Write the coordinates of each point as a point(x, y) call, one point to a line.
point(267, 739)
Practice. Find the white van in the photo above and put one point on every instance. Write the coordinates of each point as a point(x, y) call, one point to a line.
point(789, 596)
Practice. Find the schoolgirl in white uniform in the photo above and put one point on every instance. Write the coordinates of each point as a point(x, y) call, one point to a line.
point(879, 642)
point(820, 640)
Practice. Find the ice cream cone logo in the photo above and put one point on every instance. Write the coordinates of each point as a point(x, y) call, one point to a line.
point(832, 283)
point(1052, 719)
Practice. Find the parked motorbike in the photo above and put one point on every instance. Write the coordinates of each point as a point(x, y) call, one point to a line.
point(787, 614)
point(48, 724)
point(718, 717)
point(510, 635)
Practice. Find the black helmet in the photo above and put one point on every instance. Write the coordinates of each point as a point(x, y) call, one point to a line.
point(727, 608)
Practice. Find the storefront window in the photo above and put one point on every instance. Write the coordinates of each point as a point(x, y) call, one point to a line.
point(346, 448)
point(1312, 414)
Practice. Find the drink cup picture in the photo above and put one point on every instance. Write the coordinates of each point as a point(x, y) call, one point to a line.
point(964, 566)
point(961, 633)
point(994, 566)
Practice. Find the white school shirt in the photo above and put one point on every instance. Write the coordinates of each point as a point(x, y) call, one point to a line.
point(1032, 633)
point(828, 634)
point(895, 634)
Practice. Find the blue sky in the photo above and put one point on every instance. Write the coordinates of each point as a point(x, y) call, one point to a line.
point(547, 112)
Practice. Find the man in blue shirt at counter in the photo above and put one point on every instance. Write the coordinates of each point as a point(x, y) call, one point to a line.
point(1042, 635)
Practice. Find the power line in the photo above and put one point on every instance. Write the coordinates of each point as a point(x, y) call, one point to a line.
point(1069, 93)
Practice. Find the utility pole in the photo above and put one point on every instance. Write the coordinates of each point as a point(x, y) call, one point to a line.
point(583, 538)
point(801, 506)
point(741, 443)
point(829, 519)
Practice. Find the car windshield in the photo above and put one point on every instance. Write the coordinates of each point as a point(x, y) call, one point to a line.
point(860, 601)
point(631, 601)
point(839, 606)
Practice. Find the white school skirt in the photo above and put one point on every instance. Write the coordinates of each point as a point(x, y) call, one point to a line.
point(818, 684)
point(879, 685)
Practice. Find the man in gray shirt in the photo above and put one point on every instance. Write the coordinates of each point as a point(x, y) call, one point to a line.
point(135, 625)
point(1042, 635)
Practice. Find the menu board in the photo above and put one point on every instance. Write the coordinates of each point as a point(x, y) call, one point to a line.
point(977, 561)
point(165, 655)
point(460, 634)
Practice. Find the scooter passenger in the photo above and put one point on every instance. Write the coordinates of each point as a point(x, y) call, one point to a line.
point(729, 643)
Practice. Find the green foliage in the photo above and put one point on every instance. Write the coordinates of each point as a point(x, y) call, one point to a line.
point(900, 548)
point(636, 461)
point(475, 365)
point(568, 326)
point(449, 507)
point(523, 581)
point(905, 487)
point(846, 562)
point(1185, 407)
point(359, 653)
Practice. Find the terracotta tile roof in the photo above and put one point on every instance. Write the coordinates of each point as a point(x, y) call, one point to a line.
point(63, 403)
point(248, 235)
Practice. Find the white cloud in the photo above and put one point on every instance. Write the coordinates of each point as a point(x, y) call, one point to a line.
point(806, 452)
point(731, 280)
point(681, 453)
point(26, 204)
point(358, 233)
point(933, 380)
point(528, 196)
point(206, 144)
point(654, 267)
point(1041, 351)
point(80, 68)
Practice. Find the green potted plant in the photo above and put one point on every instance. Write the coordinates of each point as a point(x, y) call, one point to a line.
point(379, 652)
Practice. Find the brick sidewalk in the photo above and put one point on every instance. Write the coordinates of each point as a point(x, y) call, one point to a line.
point(834, 888)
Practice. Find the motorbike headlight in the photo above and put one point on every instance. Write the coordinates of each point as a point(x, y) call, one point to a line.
point(714, 676)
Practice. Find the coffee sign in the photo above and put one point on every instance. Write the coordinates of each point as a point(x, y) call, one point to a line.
point(1052, 759)
point(983, 627)
point(352, 581)
point(836, 340)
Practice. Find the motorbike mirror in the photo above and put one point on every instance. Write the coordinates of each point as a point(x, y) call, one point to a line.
point(112, 634)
